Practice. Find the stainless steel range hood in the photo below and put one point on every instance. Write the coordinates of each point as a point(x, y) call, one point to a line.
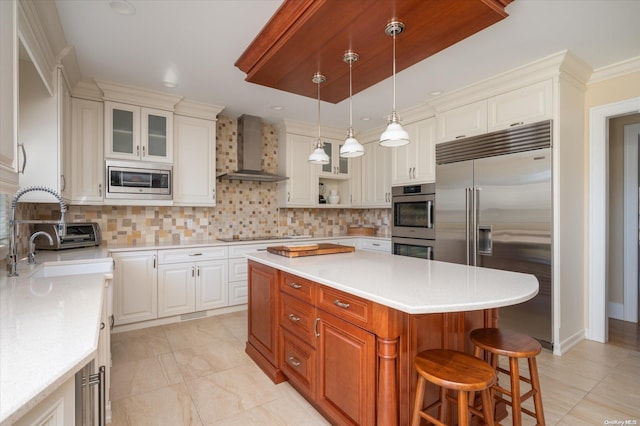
point(250, 153)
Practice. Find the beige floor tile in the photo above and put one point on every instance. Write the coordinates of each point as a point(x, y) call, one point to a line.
point(190, 334)
point(593, 412)
point(227, 393)
point(292, 409)
point(218, 355)
point(141, 376)
point(135, 345)
point(236, 323)
point(167, 406)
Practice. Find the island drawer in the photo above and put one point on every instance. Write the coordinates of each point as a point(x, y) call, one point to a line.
point(300, 288)
point(346, 306)
point(298, 317)
point(298, 363)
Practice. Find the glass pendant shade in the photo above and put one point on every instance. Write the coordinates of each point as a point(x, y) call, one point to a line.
point(318, 156)
point(351, 146)
point(394, 134)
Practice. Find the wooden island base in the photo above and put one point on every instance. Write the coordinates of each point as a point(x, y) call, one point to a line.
point(350, 357)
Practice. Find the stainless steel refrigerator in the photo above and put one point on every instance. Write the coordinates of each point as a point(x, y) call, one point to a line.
point(494, 209)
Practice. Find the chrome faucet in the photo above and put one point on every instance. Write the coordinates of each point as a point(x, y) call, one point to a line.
point(12, 257)
point(32, 245)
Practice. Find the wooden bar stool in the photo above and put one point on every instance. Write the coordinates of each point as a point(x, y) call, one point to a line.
point(457, 371)
point(514, 345)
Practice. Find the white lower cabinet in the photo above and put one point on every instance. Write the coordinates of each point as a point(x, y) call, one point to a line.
point(135, 292)
point(375, 244)
point(238, 273)
point(186, 285)
point(58, 409)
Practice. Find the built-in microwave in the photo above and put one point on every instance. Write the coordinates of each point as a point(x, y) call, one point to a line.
point(138, 180)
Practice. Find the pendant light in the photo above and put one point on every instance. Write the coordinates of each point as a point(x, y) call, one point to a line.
point(318, 156)
point(394, 134)
point(351, 146)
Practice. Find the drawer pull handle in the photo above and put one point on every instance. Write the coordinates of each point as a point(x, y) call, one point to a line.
point(519, 123)
point(340, 304)
point(461, 136)
point(315, 327)
point(296, 286)
point(294, 361)
point(195, 254)
point(293, 318)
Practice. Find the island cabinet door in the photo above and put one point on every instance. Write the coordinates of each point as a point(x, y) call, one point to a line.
point(346, 360)
point(262, 344)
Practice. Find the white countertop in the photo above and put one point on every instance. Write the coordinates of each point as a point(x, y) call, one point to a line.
point(414, 286)
point(49, 325)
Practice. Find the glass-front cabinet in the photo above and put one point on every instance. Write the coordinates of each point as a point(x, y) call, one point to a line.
point(138, 133)
point(338, 167)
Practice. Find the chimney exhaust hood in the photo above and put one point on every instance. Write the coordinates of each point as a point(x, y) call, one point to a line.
point(250, 153)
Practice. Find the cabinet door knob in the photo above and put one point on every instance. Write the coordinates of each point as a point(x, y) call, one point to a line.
point(295, 285)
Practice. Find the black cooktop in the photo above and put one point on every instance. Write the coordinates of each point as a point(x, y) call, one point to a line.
point(260, 238)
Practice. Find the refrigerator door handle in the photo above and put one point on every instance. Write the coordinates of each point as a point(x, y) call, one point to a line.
point(475, 205)
point(467, 210)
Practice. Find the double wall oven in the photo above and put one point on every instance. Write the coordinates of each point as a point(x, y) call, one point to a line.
point(413, 230)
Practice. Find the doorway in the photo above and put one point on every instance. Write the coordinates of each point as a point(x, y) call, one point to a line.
point(599, 118)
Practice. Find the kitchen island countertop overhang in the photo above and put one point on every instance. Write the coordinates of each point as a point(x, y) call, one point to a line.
point(410, 285)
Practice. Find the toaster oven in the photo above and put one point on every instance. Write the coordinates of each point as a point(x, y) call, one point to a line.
point(85, 234)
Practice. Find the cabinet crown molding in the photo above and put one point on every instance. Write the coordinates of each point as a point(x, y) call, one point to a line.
point(198, 109)
point(137, 96)
point(563, 62)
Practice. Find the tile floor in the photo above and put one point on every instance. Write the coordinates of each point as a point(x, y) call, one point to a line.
point(196, 373)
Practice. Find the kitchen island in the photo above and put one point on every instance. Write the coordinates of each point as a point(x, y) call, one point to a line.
point(343, 329)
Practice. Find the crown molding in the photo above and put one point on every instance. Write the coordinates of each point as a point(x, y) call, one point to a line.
point(137, 96)
point(198, 109)
point(615, 70)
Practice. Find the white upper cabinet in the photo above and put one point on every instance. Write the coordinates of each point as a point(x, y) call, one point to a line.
point(8, 96)
point(376, 176)
point(138, 133)
point(462, 122)
point(194, 178)
point(525, 105)
point(43, 125)
point(415, 162)
point(338, 167)
point(84, 155)
point(521, 106)
point(301, 189)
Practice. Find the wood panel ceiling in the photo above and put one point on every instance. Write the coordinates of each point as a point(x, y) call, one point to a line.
point(307, 36)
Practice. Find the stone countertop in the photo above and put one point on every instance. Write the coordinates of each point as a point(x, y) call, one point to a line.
point(49, 325)
point(411, 285)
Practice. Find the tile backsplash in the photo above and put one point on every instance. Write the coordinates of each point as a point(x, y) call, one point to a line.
point(243, 209)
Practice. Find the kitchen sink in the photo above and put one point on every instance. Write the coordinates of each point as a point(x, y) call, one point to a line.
point(58, 269)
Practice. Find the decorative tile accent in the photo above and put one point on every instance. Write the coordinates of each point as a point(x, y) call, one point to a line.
point(243, 209)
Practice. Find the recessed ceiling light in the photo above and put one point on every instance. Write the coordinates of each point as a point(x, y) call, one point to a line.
point(435, 93)
point(122, 7)
point(170, 77)
point(365, 118)
point(277, 107)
